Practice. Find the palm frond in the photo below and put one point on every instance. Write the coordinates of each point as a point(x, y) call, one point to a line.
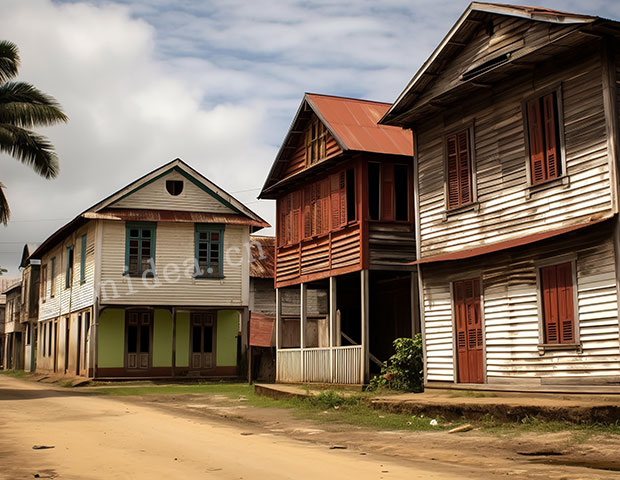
point(5, 211)
point(30, 148)
point(24, 105)
point(9, 60)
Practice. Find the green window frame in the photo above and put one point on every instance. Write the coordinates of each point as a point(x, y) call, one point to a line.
point(209, 251)
point(139, 248)
point(83, 260)
point(69, 266)
point(53, 277)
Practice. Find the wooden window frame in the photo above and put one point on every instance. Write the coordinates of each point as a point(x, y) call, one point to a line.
point(83, 246)
point(457, 277)
point(563, 178)
point(548, 262)
point(315, 148)
point(473, 203)
point(53, 277)
point(152, 226)
point(209, 228)
point(69, 265)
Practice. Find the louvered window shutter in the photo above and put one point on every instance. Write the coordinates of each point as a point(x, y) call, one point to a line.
point(551, 157)
point(387, 192)
point(461, 316)
point(307, 211)
point(295, 216)
point(343, 197)
point(536, 140)
point(325, 210)
point(335, 201)
point(458, 169)
point(558, 309)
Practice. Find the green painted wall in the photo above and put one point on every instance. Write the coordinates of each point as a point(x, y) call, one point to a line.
point(227, 329)
point(162, 338)
point(182, 350)
point(111, 338)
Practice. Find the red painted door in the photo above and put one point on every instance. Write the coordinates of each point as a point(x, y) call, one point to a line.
point(470, 366)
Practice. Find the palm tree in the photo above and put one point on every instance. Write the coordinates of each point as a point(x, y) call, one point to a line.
point(22, 107)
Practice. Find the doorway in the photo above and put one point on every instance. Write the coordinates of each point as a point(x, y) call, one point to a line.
point(139, 340)
point(468, 331)
point(203, 341)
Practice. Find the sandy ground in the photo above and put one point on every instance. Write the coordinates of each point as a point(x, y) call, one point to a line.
point(198, 436)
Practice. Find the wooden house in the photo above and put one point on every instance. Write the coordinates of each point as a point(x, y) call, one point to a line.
point(344, 241)
point(29, 314)
point(150, 282)
point(12, 350)
point(515, 119)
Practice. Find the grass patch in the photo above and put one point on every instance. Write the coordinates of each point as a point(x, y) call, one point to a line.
point(471, 394)
point(228, 389)
point(14, 373)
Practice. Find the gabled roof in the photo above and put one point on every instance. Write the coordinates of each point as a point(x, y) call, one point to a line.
point(460, 33)
point(29, 248)
point(104, 209)
point(353, 124)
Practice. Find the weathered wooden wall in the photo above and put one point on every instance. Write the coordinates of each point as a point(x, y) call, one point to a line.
point(507, 209)
point(510, 313)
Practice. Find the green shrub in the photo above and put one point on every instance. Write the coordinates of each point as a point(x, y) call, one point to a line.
point(404, 369)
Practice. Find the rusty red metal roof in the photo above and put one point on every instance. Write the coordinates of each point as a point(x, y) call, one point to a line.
point(140, 215)
point(353, 122)
point(263, 250)
point(499, 246)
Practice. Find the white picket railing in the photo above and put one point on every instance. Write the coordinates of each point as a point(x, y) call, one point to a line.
point(321, 365)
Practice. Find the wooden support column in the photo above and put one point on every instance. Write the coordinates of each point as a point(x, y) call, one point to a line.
point(365, 309)
point(303, 305)
point(278, 328)
point(333, 333)
point(174, 341)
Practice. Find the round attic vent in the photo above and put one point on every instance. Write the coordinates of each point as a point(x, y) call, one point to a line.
point(174, 187)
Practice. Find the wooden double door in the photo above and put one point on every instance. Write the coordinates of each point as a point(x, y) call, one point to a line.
point(139, 341)
point(203, 340)
point(469, 338)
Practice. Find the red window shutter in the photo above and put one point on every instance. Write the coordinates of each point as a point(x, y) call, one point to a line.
point(308, 211)
point(387, 192)
point(313, 209)
point(324, 199)
point(335, 201)
point(551, 156)
point(343, 197)
point(295, 216)
point(558, 303)
point(464, 165)
point(452, 171)
point(461, 316)
point(536, 140)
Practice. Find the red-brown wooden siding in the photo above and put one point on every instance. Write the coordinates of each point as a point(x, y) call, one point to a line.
point(297, 161)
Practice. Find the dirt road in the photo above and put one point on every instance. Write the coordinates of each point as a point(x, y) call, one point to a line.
point(111, 438)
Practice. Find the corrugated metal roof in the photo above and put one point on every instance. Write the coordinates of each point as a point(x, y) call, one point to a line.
point(353, 122)
point(499, 246)
point(141, 215)
point(263, 250)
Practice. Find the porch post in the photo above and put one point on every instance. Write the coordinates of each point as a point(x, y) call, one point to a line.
point(302, 324)
point(364, 290)
point(174, 341)
point(333, 308)
point(278, 318)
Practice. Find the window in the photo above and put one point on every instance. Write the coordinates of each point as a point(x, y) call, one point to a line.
point(556, 282)
point(316, 141)
point(388, 192)
point(543, 138)
point(209, 250)
point(83, 260)
point(53, 277)
point(43, 283)
point(69, 267)
point(458, 170)
point(374, 190)
point(351, 195)
point(140, 249)
point(401, 192)
point(174, 187)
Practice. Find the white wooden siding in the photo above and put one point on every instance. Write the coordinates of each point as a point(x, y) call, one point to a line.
point(174, 246)
point(78, 296)
point(505, 210)
point(510, 311)
point(155, 196)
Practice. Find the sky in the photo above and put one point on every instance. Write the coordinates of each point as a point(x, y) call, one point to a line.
point(215, 83)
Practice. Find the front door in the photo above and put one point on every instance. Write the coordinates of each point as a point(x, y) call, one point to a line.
point(139, 327)
point(203, 341)
point(468, 331)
